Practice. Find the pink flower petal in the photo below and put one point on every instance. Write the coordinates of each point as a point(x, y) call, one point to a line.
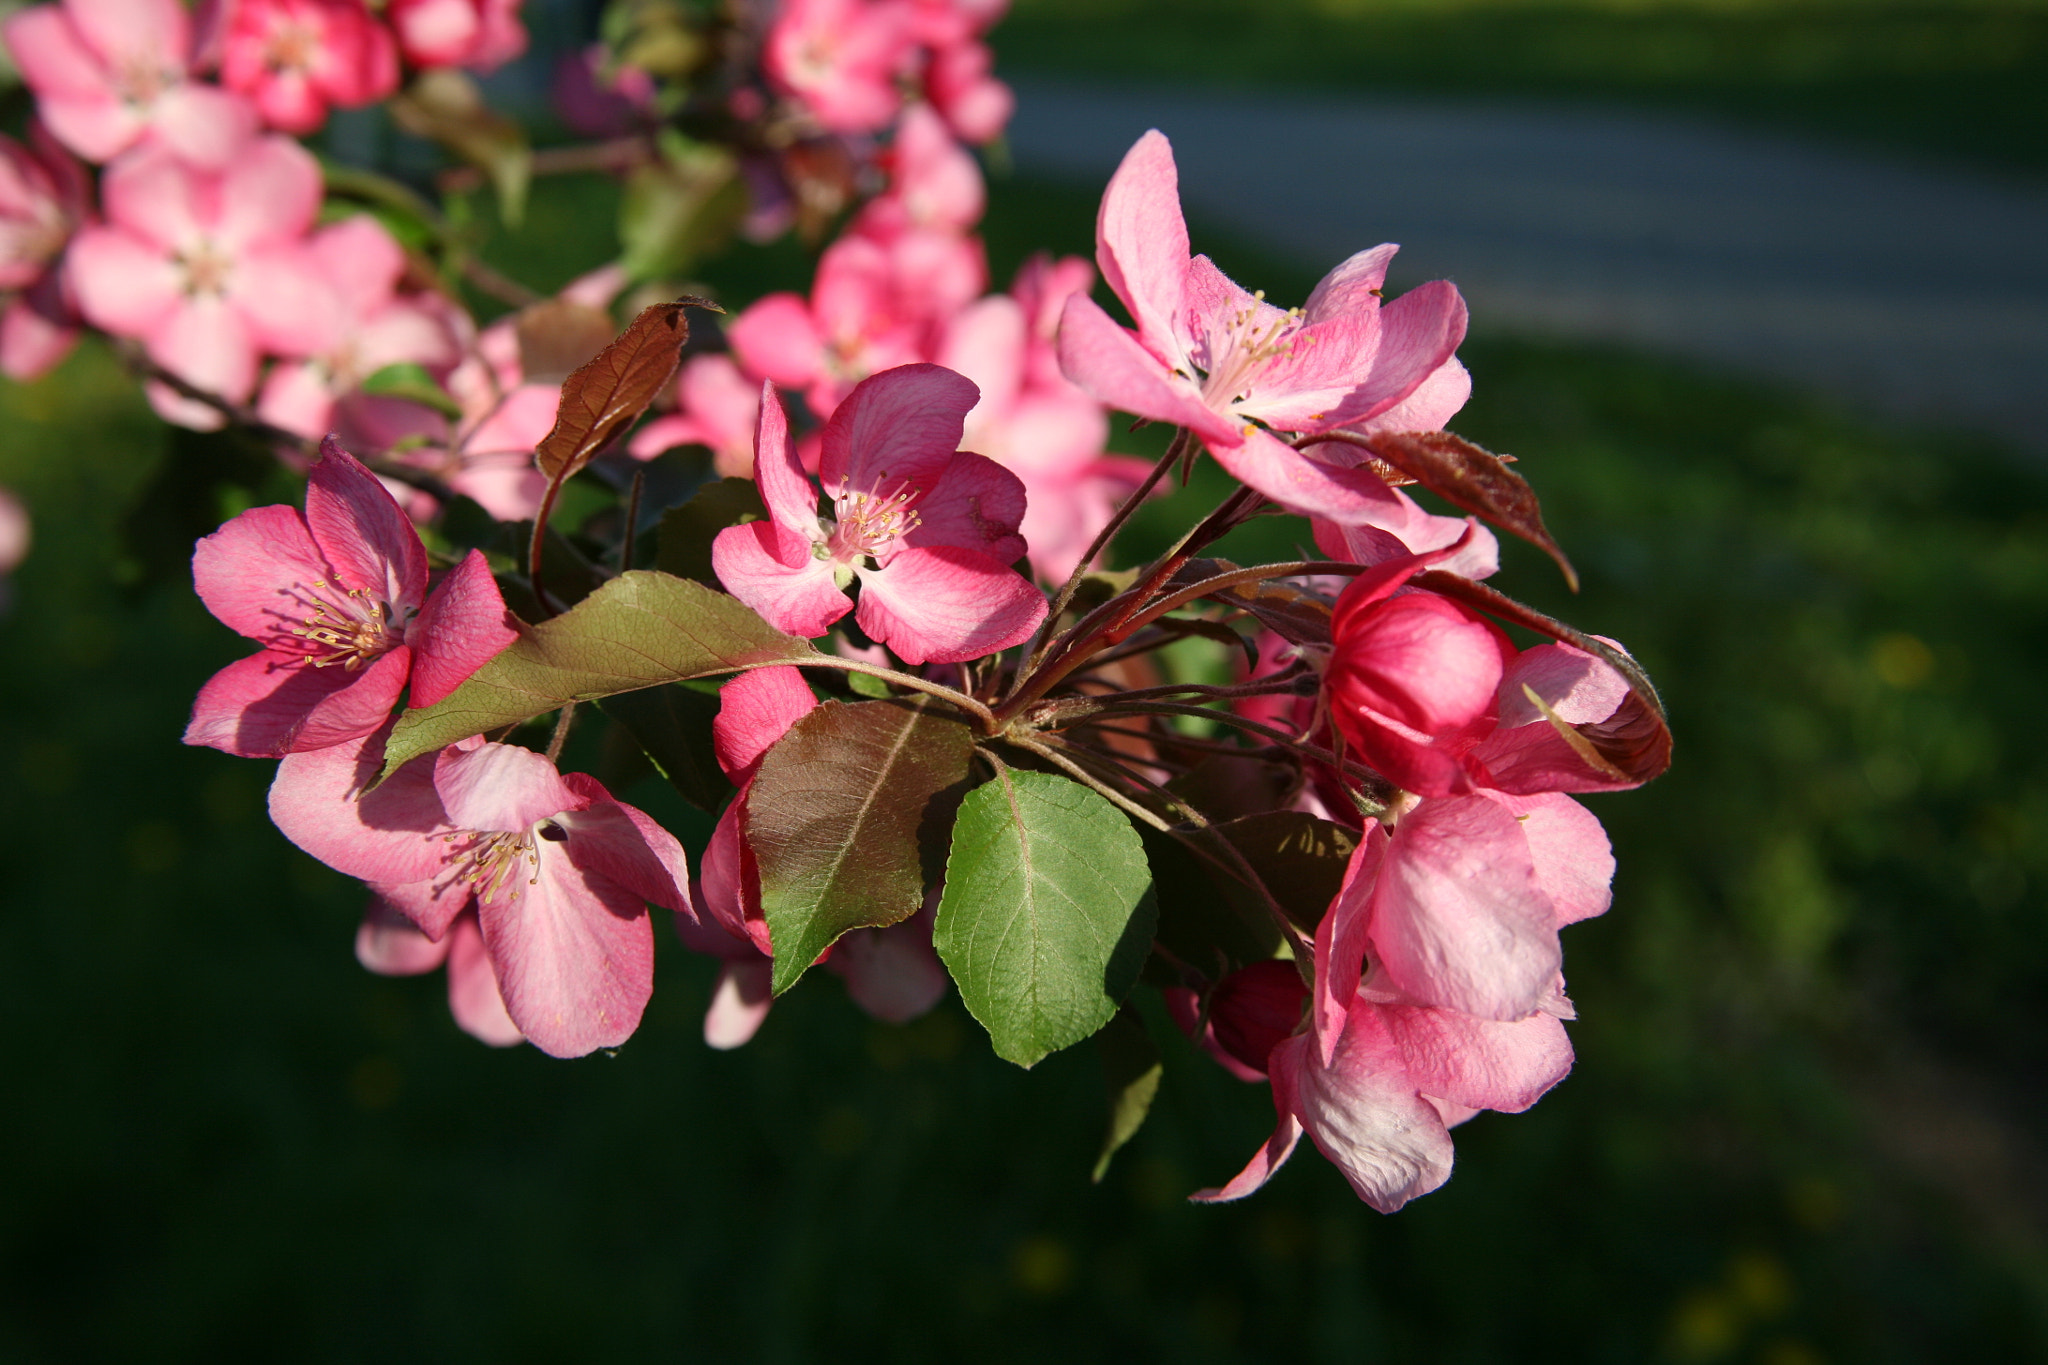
point(573, 953)
point(31, 344)
point(787, 492)
point(893, 974)
point(363, 533)
point(1476, 1062)
point(1141, 243)
point(1354, 286)
point(1459, 919)
point(947, 605)
point(124, 285)
point(803, 600)
point(1341, 941)
point(290, 309)
point(388, 944)
point(739, 1002)
point(623, 845)
point(205, 342)
point(897, 429)
point(755, 710)
point(1110, 366)
point(391, 836)
point(1363, 1113)
point(463, 625)
point(203, 124)
point(271, 704)
point(500, 787)
point(473, 995)
point(1300, 482)
point(269, 193)
point(1573, 860)
point(977, 505)
point(1268, 1159)
point(776, 339)
point(254, 572)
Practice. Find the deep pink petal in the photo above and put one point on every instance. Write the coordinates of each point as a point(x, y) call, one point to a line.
point(1341, 941)
point(463, 625)
point(1459, 919)
point(947, 605)
point(271, 704)
point(1110, 366)
point(392, 836)
point(500, 787)
point(897, 429)
point(1302, 483)
point(720, 899)
point(786, 490)
point(1354, 286)
point(255, 572)
point(1141, 243)
point(803, 600)
point(976, 504)
point(203, 124)
point(777, 340)
point(739, 1001)
point(473, 996)
point(756, 709)
point(363, 533)
point(574, 956)
point(1268, 1159)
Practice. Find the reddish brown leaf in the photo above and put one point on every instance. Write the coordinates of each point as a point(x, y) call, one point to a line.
point(1477, 480)
point(1634, 739)
point(610, 391)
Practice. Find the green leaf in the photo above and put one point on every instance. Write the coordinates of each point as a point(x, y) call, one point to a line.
point(1299, 857)
point(836, 815)
point(1048, 911)
point(448, 107)
point(1207, 918)
point(673, 726)
point(687, 531)
point(639, 630)
point(412, 383)
point(679, 208)
point(1130, 1070)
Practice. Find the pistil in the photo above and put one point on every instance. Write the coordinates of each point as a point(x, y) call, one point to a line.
point(353, 630)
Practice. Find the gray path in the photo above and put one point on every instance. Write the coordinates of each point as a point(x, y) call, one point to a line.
point(1907, 290)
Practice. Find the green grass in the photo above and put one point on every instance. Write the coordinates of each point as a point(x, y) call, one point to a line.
point(1800, 1127)
point(1964, 82)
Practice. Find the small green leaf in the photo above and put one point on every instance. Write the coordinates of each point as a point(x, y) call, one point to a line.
point(837, 815)
point(1130, 1070)
point(673, 726)
point(639, 630)
point(412, 383)
point(687, 531)
point(867, 685)
point(1048, 911)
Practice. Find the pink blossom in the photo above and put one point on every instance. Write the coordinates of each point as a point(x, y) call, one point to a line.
point(960, 86)
point(1381, 1105)
point(716, 406)
point(927, 530)
point(108, 74)
point(558, 873)
point(296, 58)
point(479, 34)
point(375, 326)
point(933, 182)
point(43, 198)
point(1233, 368)
point(838, 60)
point(209, 270)
point(389, 944)
point(1249, 1013)
point(337, 597)
point(14, 542)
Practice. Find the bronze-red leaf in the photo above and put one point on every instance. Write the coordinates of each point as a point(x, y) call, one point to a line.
point(608, 393)
point(1475, 479)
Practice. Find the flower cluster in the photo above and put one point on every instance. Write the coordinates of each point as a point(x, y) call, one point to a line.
point(940, 723)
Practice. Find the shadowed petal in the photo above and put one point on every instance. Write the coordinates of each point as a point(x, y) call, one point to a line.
point(788, 493)
point(271, 704)
point(802, 600)
point(739, 1002)
point(391, 836)
point(947, 605)
point(1110, 366)
point(1301, 483)
point(388, 944)
point(473, 996)
point(500, 787)
point(363, 533)
point(1363, 1113)
point(624, 845)
point(1341, 941)
point(574, 956)
point(1477, 1062)
point(976, 504)
point(254, 573)
point(463, 625)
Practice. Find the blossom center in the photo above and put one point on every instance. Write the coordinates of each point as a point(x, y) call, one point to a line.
point(142, 78)
point(490, 862)
point(346, 628)
point(291, 47)
point(1242, 343)
point(206, 268)
point(869, 523)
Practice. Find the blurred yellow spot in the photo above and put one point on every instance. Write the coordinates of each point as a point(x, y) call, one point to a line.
point(1042, 1266)
point(1704, 1326)
point(1902, 660)
point(375, 1082)
point(154, 847)
point(1790, 1353)
point(1760, 1283)
point(1815, 1203)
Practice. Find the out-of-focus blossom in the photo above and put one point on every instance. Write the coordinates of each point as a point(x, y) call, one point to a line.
point(295, 59)
point(389, 944)
point(716, 406)
point(337, 597)
point(839, 60)
point(208, 269)
point(43, 199)
point(928, 530)
point(558, 873)
point(1233, 368)
point(376, 327)
point(960, 83)
point(480, 34)
point(852, 326)
point(108, 74)
point(14, 542)
point(598, 97)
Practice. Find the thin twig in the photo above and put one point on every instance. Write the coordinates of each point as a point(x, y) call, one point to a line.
point(632, 518)
point(909, 680)
point(140, 363)
point(561, 734)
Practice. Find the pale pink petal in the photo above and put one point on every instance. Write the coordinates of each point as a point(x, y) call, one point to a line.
point(1110, 366)
point(463, 625)
point(1476, 1062)
point(30, 344)
point(1341, 941)
point(297, 398)
point(154, 31)
point(1363, 1113)
point(756, 709)
point(1574, 862)
point(573, 953)
point(1459, 919)
point(361, 259)
point(1141, 243)
point(892, 973)
point(739, 1002)
point(1407, 529)
point(473, 996)
point(1580, 688)
point(1268, 1159)
point(58, 66)
point(123, 284)
point(388, 944)
point(362, 531)
point(431, 905)
point(623, 845)
point(1434, 402)
point(977, 505)
point(947, 605)
point(986, 342)
point(205, 343)
point(392, 835)
point(803, 600)
point(897, 429)
point(1354, 286)
point(1415, 335)
point(290, 309)
point(500, 787)
point(207, 126)
point(270, 193)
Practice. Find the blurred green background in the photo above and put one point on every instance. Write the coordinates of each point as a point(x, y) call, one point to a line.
point(1807, 1120)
